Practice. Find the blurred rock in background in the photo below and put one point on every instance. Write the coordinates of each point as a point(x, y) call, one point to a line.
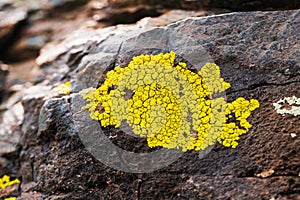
point(27, 25)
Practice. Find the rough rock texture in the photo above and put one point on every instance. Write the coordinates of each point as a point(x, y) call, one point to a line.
point(258, 54)
point(4, 69)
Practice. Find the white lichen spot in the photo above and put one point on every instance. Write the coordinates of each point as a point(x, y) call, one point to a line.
point(293, 103)
point(293, 135)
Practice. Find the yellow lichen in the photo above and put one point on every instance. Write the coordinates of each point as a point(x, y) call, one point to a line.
point(63, 88)
point(5, 182)
point(169, 104)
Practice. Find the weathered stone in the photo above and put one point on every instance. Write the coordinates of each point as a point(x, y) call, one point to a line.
point(10, 18)
point(190, 4)
point(10, 191)
point(9, 129)
point(49, 20)
point(46, 21)
point(65, 4)
point(33, 99)
point(30, 196)
point(258, 53)
point(117, 9)
point(17, 133)
point(175, 16)
point(75, 49)
point(11, 119)
point(4, 70)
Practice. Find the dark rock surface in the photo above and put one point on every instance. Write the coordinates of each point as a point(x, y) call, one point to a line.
point(129, 11)
point(232, 5)
point(258, 53)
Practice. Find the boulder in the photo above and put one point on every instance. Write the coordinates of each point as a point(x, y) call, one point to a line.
point(258, 54)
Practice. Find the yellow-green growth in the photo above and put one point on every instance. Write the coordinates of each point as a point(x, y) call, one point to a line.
point(6, 182)
point(171, 105)
point(63, 88)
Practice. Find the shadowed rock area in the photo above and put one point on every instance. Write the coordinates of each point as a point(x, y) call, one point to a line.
point(258, 54)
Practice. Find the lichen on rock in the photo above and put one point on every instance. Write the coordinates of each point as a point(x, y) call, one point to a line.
point(293, 102)
point(170, 104)
point(5, 182)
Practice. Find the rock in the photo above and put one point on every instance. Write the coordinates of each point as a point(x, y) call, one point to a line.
point(36, 5)
point(66, 5)
point(175, 16)
point(50, 20)
point(45, 21)
point(208, 4)
point(10, 191)
point(10, 19)
point(117, 9)
point(13, 126)
point(75, 47)
point(241, 5)
point(4, 69)
point(10, 134)
point(258, 54)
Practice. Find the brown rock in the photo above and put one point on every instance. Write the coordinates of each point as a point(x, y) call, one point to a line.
point(10, 19)
point(122, 8)
point(45, 22)
point(258, 53)
point(4, 70)
point(9, 191)
point(10, 132)
point(208, 4)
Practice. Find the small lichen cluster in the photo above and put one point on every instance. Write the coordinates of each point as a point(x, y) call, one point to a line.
point(6, 182)
point(64, 88)
point(169, 104)
point(240, 109)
